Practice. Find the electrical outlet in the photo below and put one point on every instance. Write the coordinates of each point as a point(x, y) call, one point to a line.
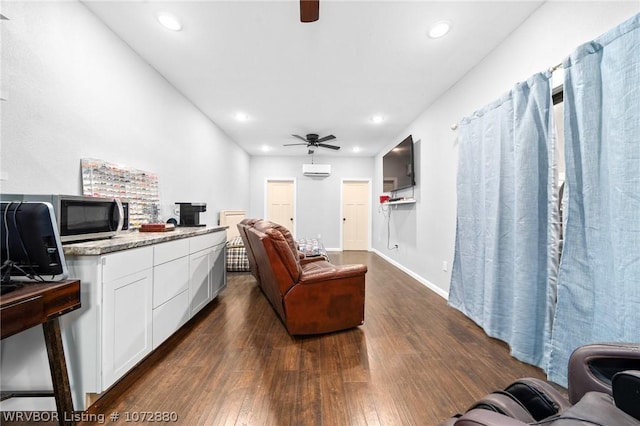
point(319, 236)
point(445, 265)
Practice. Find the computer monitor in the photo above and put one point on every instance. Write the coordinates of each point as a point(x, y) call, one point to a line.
point(31, 248)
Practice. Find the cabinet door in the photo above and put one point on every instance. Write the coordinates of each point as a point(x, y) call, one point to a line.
point(127, 333)
point(218, 270)
point(199, 280)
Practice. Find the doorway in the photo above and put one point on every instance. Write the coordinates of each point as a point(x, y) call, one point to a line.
point(280, 202)
point(356, 212)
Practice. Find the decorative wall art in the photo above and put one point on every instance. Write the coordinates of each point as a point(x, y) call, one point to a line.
point(137, 187)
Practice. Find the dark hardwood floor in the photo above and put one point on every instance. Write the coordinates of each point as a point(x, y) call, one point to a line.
point(415, 361)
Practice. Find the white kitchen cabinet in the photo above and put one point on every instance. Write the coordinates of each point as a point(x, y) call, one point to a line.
point(126, 306)
point(126, 324)
point(207, 269)
point(199, 280)
point(169, 317)
point(218, 269)
point(136, 291)
point(170, 288)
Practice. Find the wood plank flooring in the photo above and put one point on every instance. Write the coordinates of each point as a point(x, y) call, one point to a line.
point(415, 361)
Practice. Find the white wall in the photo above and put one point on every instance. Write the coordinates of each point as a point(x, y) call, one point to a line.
point(317, 199)
point(75, 90)
point(425, 232)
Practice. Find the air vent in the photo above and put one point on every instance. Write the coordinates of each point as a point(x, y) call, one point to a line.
point(316, 169)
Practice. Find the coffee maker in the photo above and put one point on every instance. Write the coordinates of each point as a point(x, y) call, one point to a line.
point(190, 213)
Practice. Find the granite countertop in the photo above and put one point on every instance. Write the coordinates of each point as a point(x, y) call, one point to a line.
point(133, 239)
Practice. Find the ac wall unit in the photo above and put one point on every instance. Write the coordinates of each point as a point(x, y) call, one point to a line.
point(316, 169)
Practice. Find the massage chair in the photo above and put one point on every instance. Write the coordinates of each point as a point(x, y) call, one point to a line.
point(604, 389)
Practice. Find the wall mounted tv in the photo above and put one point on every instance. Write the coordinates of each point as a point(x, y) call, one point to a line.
point(398, 167)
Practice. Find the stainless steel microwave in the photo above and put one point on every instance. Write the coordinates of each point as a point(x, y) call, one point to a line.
point(81, 218)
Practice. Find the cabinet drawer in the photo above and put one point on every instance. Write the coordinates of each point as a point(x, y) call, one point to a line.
point(165, 252)
point(202, 242)
point(170, 279)
point(126, 262)
point(169, 317)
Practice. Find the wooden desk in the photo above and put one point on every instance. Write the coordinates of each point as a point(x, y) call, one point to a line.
point(43, 303)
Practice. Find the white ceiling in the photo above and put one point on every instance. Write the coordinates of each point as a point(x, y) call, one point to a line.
point(328, 77)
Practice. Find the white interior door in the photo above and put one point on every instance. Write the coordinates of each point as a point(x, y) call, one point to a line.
point(355, 219)
point(280, 202)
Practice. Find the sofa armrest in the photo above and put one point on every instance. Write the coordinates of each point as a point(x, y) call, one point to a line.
point(330, 272)
point(304, 259)
point(592, 367)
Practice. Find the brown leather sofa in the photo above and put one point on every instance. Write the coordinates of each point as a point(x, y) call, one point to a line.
point(604, 389)
point(311, 296)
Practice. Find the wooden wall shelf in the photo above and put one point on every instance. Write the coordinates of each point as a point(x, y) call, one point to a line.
point(407, 201)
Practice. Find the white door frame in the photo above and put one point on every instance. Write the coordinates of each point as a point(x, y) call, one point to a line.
point(265, 207)
point(341, 226)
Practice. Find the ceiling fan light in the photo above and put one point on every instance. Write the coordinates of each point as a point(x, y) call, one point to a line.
point(169, 21)
point(439, 29)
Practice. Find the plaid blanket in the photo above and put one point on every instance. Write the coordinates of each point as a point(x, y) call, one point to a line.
point(237, 260)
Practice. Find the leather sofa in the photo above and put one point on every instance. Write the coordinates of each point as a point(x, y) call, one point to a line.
point(311, 296)
point(261, 224)
point(604, 389)
point(242, 230)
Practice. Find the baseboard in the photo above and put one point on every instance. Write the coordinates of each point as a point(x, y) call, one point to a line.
point(431, 286)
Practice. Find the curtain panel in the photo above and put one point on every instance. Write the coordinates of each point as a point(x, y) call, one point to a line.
point(504, 246)
point(599, 277)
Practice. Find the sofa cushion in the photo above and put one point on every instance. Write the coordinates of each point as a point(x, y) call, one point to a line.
point(290, 260)
point(263, 225)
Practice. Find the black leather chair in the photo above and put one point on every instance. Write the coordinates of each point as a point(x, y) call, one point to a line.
point(604, 389)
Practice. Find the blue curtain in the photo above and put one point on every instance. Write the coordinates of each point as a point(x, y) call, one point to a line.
point(599, 278)
point(504, 246)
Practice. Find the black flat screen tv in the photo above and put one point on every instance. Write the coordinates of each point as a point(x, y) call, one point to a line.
point(31, 248)
point(398, 167)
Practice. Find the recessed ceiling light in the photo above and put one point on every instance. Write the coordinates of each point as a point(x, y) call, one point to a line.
point(241, 116)
point(377, 119)
point(356, 149)
point(439, 29)
point(169, 21)
point(265, 148)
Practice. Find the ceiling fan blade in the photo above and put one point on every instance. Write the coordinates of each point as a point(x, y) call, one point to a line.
point(326, 138)
point(300, 137)
point(292, 144)
point(309, 10)
point(324, 145)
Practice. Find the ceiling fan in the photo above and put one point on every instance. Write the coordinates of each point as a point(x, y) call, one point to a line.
point(309, 10)
point(312, 142)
